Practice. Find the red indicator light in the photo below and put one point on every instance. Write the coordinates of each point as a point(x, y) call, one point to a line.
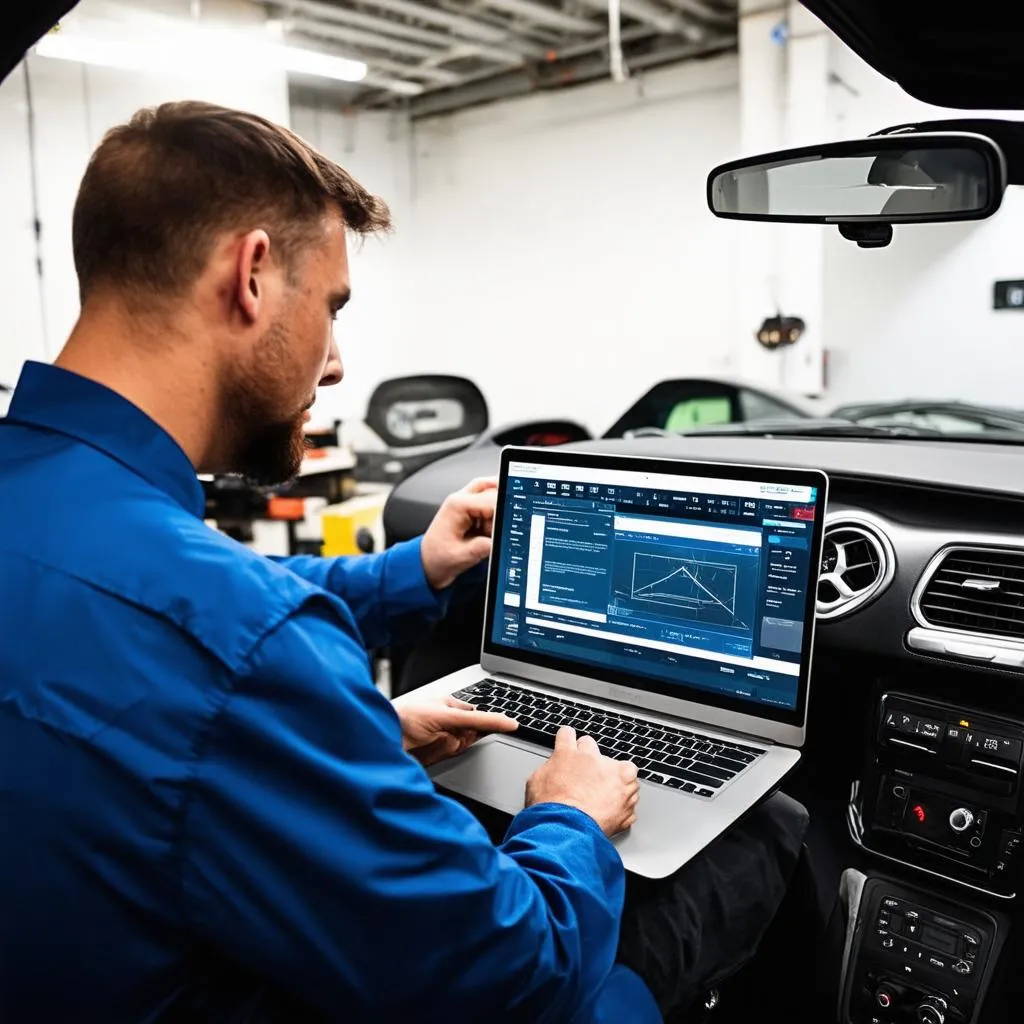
point(919, 811)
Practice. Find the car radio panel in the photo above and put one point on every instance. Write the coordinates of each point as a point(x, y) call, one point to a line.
point(918, 958)
point(942, 790)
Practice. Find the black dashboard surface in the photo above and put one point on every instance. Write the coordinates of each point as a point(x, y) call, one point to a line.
point(962, 468)
point(921, 496)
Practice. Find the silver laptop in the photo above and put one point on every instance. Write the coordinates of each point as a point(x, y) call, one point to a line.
point(665, 608)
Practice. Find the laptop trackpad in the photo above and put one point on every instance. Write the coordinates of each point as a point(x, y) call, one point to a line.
point(494, 773)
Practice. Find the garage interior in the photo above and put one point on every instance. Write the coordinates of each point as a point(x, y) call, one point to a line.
point(555, 277)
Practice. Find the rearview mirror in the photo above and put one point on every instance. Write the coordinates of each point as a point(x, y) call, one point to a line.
point(885, 179)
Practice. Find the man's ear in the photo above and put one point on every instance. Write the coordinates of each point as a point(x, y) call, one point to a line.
point(253, 261)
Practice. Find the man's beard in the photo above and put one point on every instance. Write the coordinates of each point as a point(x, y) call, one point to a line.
point(266, 450)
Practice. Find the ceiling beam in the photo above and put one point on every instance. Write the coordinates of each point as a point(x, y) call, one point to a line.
point(361, 37)
point(456, 23)
point(443, 51)
point(540, 14)
point(524, 81)
point(724, 15)
point(437, 77)
point(360, 19)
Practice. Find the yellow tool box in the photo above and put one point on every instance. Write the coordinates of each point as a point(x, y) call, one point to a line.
point(343, 521)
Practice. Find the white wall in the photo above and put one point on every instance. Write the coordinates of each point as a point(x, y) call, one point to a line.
point(19, 287)
point(563, 254)
point(916, 319)
point(74, 105)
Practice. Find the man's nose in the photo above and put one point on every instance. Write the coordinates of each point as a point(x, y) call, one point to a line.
point(333, 370)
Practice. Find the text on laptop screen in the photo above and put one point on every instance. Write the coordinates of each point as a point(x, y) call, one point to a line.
point(689, 580)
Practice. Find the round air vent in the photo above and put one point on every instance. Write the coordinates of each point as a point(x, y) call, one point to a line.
point(857, 564)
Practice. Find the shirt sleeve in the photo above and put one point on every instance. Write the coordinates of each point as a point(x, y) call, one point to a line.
point(319, 855)
point(387, 593)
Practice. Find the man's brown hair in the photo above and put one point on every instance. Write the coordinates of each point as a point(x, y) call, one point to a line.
point(161, 188)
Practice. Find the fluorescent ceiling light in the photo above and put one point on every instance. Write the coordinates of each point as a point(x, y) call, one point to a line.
point(202, 51)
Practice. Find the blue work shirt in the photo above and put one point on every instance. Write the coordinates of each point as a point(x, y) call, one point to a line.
point(202, 792)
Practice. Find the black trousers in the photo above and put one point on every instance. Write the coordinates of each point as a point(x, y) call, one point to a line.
point(686, 933)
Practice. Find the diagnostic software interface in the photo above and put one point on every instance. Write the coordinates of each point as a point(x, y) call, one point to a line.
point(683, 579)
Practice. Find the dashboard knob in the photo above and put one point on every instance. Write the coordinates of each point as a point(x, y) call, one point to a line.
point(932, 1010)
point(961, 819)
point(884, 997)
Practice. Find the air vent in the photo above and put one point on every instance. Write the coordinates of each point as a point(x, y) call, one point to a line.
point(857, 564)
point(976, 590)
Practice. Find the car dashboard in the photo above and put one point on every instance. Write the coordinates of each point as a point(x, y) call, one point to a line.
point(913, 766)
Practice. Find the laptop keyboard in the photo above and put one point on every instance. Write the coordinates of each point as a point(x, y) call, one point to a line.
point(667, 755)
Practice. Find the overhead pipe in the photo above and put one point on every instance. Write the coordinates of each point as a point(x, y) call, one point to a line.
point(665, 21)
point(616, 63)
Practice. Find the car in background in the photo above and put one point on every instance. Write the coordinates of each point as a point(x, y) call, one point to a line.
point(946, 417)
point(682, 404)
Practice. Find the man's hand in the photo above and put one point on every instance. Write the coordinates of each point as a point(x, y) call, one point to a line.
point(460, 535)
point(446, 726)
point(579, 775)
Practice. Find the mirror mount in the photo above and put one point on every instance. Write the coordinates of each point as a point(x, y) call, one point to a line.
point(867, 236)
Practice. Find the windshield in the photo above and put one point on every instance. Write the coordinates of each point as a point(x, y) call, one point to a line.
point(552, 242)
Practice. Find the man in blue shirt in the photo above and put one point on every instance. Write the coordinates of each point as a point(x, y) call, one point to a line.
point(209, 811)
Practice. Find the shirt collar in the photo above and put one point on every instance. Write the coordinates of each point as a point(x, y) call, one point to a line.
point(64, 402)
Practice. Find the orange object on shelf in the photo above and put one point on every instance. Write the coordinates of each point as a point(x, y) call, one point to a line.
point(286, 508)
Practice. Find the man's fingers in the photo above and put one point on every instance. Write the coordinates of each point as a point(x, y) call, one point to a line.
point(481, 503)
point(477, 721)
point(629, 822)
point(481, 483)
point(454, 702)
point(478, 548)
point(588, 745)
point(628, 770)
point(634, 798)
point(565, 738)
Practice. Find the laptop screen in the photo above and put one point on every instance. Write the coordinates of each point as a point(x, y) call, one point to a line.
point(686, 579)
